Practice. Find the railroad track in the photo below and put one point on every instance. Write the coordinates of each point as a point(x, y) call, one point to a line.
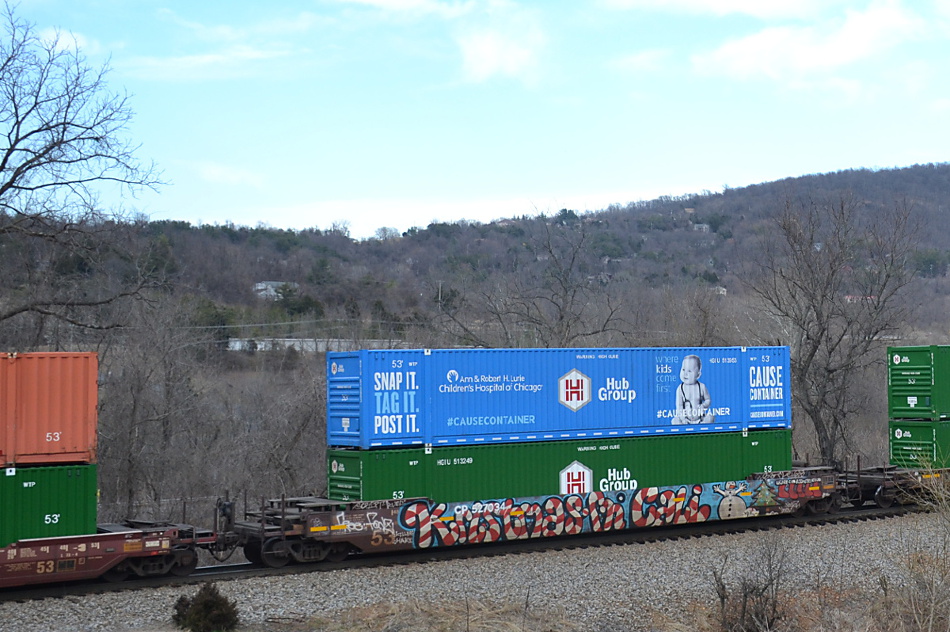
point(229, 572)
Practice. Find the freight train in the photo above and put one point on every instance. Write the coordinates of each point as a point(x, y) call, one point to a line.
point(434, 448)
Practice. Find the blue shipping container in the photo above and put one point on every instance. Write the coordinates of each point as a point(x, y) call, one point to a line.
point(464, 396)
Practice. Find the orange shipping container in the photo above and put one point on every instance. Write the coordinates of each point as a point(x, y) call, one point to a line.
point(48, 408)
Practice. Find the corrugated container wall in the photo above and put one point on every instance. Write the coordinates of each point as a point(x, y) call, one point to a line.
point(919, 444)
point(918, 382)
point(518, 470)
point(469, 396)
point(48, 408)
point(46, 502)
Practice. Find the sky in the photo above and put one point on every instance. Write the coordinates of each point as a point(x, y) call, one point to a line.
point(372, 114)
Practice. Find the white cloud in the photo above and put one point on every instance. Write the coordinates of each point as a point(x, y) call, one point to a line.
point(236, 61)
point(69, 40)
point(418, 7)
point(494, 37)
point(503, 40)
point(301, 23)
point(756, 8)
point(217, 173)
point(790, 52)
point(202, 31)
point(647, 60)
point(486, 53)
point(231, 51)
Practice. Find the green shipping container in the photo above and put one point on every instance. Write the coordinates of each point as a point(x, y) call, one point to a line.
point(920, 444)
point(918, 382)
point(466, 473)
point(46, 502)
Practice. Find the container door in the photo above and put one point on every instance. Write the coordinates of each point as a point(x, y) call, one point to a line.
point(344, 475)
point(913, 444)
point(377, 474)
point(344, 399)
point(7, 413)
point(374, 399)
point(910, 383)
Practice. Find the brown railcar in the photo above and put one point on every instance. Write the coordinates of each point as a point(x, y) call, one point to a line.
point(115, 552)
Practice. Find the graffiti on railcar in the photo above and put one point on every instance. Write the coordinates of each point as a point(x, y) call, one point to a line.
point(656, 506)
point(432, 524)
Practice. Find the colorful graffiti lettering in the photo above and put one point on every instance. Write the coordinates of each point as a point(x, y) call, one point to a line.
point(605, 514)
point(425, 520)
point(431, 524)
point(653, 507)
point(798, 490)
point(435, 524)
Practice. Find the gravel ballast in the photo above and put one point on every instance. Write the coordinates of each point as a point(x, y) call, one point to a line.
point(621, 584)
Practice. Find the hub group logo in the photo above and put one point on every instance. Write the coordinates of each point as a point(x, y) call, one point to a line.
point(576, 478)
point(574, 390)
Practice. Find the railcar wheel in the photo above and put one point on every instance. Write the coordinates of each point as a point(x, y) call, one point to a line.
point(252, 551)
point(883, 497)
point(187, 563)
point(338, 552)
point(311, 551)
point(274, 553)
point(828, 505)
point(116, 574)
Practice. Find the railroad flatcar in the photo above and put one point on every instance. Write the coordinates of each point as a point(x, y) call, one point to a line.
point(310, 529)
point(112, 551)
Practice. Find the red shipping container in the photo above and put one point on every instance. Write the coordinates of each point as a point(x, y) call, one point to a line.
point(48, 408)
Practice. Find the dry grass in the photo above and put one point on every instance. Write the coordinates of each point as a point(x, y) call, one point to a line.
point(806, 610)
point(466, 615)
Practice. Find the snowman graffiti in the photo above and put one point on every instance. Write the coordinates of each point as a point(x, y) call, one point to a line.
point(731, 506)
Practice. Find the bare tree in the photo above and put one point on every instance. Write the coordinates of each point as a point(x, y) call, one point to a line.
point(283, 406)
point(754, 598)
point(157, 427)
point(832, 285)
point(561, 306)
point(62, 146)
point(693, 315)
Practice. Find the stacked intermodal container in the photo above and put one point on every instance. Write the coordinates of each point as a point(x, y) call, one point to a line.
point(464, 424)
point(48, 425)
point(918, 406)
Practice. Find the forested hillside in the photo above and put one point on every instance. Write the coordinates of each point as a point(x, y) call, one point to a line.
point(649, 261)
